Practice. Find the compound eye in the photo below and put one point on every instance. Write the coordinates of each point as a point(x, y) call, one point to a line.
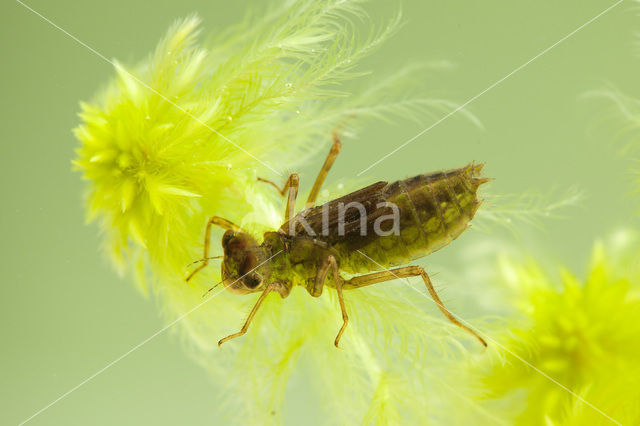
point(252, 280)
point(227, 237)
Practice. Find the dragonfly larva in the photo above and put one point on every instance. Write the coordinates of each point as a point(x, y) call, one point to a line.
point(422, 214)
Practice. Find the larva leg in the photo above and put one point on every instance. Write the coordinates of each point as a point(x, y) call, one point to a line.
point(330, 264)
point(245, 327)
point(218, 221)
point(331, 158)
point(282, 191)
point(291, 185)
point(405, 272)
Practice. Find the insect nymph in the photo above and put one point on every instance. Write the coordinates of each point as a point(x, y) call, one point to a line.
point(312, 248)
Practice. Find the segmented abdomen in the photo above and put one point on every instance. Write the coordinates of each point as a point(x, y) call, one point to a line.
point(434, 210)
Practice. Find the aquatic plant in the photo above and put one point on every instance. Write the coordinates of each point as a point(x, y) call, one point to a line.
point(625, 116)
point(182, 136)
point(584, 334)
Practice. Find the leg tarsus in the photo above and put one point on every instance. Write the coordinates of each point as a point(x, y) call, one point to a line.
point(195, 271)
point(245, 327)
point(272, 183)
point(292, 184)
point(330, 263)
point(445, 311)
point(218, 221)
point(405, 272)
point(345, 317)
point(315, 190)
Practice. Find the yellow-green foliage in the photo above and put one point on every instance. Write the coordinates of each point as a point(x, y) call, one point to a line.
point(584, 333)
point(156, 170)
point(266, 94)
point(627, 110)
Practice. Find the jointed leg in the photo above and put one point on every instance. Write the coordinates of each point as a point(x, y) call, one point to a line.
point(287, 183)
point(218, 221)
point(404, 272)
point(322, 175)
point(275, 185)
point(330, 263)
point(292, 184)
point(244, 328)
point(331, 158)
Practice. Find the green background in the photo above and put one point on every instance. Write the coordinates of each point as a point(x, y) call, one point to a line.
point(66, 314)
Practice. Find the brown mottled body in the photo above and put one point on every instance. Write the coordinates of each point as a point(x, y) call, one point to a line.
point(351, 234)
point(434, 209)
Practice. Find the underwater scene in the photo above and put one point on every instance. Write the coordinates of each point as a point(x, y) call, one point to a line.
point(320, 212)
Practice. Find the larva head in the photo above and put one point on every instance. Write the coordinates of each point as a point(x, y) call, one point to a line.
point(243, 270)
